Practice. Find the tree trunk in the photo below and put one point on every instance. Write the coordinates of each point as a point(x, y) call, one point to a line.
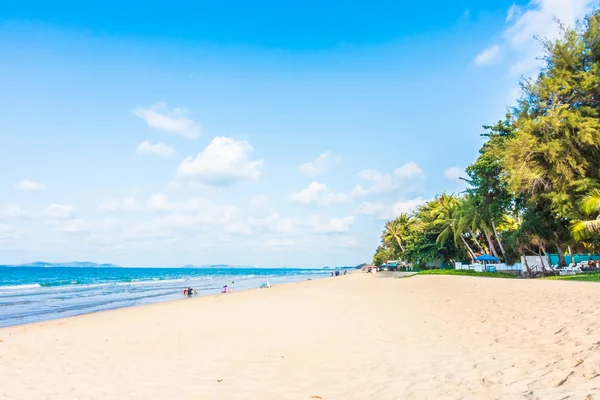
point(399, 241)
point(476, 241)
point(490, 243)
point(542, 262)
point(572, 256)
point(498, 240)
point(471, 254)
point(561, 256)
point(527, 267)
point(401, 247)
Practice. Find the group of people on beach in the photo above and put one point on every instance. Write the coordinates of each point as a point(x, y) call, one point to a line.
point(228, 289)
point(337, 273)
point(225, 289)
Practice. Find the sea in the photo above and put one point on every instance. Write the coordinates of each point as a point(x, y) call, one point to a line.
point(33, 294)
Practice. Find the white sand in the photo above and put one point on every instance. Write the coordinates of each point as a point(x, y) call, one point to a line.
point(353, 337)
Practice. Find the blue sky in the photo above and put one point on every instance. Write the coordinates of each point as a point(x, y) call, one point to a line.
point(155, 134)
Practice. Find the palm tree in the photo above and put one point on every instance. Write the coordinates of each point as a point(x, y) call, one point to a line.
point(473, 219)
point(590, 205)
point(470, 220)
point(445, 214)
point(397, 230)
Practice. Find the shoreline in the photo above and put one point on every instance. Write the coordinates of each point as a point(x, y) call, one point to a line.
point(37, 303)
point(358, 337)
point(197, 297)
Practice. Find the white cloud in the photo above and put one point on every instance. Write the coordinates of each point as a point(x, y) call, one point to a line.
point(175, 221)
point(60, 211)
point(158, 149)
point(29, 185)
point(192, 213)
point(406, 206)
point(320, 165)
point(160, 202)
point(454, 173)
point(513, 11)
point(343, 241)
point(260, 201)
point(239, 228)
point(115, 204)
point(222, 163)
point(176, 121)
point(535, 20)
point(368, 208)
point(9, 233)
point(12, 211)
point(319, 194)
point(488, 55)
point(74, 225)
point(275, 223)
point(322, 224)
point(386, 183)
point(513, 95)
point(383, 211)
point(408, 170)
point(279, 242)
point(381, 183)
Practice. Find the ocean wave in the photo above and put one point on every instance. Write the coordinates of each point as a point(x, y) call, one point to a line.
point(135, 282)
point(21, 287)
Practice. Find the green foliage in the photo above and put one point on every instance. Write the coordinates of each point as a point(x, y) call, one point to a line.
point(535, 186)
point(466, 272)
point(591, 277)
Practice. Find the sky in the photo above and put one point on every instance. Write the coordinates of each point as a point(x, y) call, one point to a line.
point(275, 134)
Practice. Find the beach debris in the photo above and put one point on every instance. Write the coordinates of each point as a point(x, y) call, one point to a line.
point(1, 341)
point(566, 378)
point(315, 397)
point(219, 380)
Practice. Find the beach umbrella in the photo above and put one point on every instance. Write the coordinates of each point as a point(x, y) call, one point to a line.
point(486, 257)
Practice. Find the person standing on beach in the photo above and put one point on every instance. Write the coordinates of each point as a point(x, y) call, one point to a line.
point(232, 286)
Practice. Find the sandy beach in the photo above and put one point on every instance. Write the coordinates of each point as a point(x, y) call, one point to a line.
point(354, 337)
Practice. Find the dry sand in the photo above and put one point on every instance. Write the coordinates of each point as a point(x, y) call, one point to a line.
point(354, 337)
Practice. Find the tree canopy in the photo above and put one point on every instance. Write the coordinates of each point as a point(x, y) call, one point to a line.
point(535, 185)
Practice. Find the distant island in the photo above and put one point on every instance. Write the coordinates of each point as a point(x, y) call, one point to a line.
point(73, 264)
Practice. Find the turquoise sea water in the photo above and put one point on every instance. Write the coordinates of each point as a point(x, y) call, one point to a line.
point(29, 294)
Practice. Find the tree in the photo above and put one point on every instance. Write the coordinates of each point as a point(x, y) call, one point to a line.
point(535, 185)
point(382, 254)
point(492, 198)
point(585, 229)
point(444, 210)
point(396, 231)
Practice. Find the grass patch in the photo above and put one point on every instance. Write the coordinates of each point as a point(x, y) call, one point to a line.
point(591, 277)
point(468, 272)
